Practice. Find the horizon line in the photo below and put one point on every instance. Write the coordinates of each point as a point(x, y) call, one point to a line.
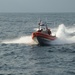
point(37, 12)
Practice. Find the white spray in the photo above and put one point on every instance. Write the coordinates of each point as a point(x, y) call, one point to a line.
point(63, 35)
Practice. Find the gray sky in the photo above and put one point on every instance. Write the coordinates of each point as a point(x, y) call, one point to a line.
point(37, 5)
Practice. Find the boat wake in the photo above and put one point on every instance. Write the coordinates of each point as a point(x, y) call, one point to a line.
point(22, 40)
point(64, 35)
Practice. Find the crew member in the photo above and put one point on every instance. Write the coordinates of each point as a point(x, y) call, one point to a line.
point(49, 31)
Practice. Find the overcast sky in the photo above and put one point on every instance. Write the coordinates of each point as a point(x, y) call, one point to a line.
point(37, 5)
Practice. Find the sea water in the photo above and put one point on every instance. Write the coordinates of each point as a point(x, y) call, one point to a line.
point(20, 55)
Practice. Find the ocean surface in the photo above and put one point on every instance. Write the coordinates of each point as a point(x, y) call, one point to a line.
point(20, 55)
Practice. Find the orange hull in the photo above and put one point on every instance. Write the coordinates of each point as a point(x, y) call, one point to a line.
point(43, 38)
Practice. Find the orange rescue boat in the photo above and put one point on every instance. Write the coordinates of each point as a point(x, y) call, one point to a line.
point(43, 36)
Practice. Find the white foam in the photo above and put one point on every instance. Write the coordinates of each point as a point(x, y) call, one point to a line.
point(63, 34)
point(22, 40)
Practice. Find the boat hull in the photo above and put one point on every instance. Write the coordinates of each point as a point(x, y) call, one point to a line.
point(43, 39)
